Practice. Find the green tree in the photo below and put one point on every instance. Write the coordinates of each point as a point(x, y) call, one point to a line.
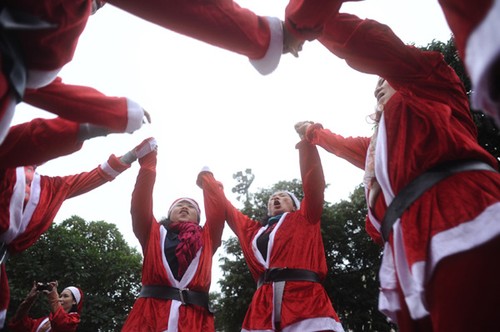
point(91, 255)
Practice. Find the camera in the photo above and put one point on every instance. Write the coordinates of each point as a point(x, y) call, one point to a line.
point(40, 286)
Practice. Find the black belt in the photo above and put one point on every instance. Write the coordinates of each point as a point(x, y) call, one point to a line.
point(279, 276)
point(421, 184)
point(184, 295)
point(285, 274)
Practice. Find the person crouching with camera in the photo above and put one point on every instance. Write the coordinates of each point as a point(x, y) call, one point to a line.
point(65, 309)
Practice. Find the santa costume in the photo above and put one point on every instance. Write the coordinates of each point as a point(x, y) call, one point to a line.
point(23, 222)
point(173, 300)
point(294, 244)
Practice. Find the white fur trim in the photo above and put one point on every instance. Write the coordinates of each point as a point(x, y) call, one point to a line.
point(106, 168)
point(41, 325)
point(463, 237)
point(271, 59)
point(173, 320)
point(6, 120)
point(20, 215)
point(39, 78)
point(315, 324)
point(135, 116)
point(482, 48)
point(76, 293)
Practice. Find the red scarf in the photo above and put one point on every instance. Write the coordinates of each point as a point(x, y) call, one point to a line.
point(190, 242)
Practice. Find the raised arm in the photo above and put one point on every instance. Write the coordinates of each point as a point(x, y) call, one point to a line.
point(371, 47)
point(87, 105)
point(352, 149)
point(313, 181)
point(214, 200)
point(141, 207)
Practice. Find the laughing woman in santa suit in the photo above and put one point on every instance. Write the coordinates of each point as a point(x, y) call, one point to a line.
point(65, 310)
point(177, 267)
point(286, 257)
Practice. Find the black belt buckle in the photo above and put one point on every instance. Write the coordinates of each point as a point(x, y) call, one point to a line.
point(183, 294)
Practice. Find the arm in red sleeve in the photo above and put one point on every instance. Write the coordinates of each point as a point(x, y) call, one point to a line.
point(86, 181)
point(83, 104)
point(214, 200)
point(38, 141)
point(371, 47)
point(305, 18)
point(63, 321)
point(352, 149)
point(142, 199)
point(313, 181)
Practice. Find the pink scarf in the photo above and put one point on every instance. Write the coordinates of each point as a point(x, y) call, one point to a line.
point(190, 242)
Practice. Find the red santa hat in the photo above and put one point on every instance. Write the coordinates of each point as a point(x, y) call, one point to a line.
point(185, 199)
point(78, 295)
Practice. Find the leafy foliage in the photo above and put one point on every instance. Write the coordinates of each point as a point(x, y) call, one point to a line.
point(90, 255)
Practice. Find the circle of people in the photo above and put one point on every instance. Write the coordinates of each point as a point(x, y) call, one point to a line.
point(433, 194)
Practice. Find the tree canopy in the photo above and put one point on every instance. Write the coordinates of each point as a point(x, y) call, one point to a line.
point(91, 255)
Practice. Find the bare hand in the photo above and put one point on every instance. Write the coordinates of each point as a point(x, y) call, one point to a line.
point(301, 128)
point(291, 44)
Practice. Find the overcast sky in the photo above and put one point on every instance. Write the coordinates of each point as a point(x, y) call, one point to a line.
point(210, 107)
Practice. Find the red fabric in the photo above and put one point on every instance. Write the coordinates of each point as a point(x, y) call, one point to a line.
point(80, 104)
point(60, 321)
point(152, 315)
point(190, 242)
point(463, 17)
point(221, 23)
point(426, 123)
point(295, 242)
point(50, 49)
point(53, 192)
point(38, 141)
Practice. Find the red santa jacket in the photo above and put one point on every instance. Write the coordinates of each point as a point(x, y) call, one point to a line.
point(295, 242)
point(426, 123)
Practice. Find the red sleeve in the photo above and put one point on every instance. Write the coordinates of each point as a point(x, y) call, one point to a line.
point(25, 324)
point(306, 18)
point(371, 47)
point(80, 104)
point(221, 23)
point(84, 182)
point(313, 182)
point(63, 321)
point(38, 141)
point(214, 200)
point(352, 149)
point(142, 199)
